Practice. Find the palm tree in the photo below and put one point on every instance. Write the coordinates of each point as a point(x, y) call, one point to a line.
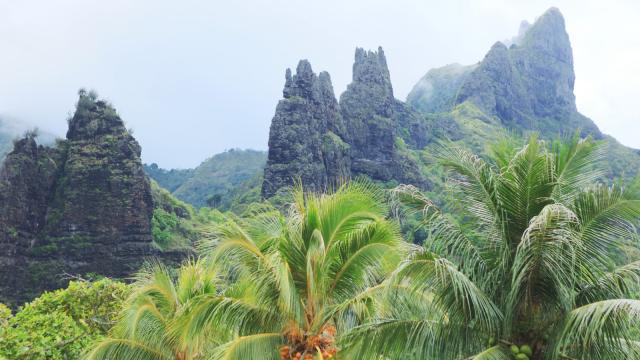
point(525, 271)
point(297, 282)
point(148, 325)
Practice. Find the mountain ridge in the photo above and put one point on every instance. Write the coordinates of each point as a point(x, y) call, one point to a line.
point(216, 181)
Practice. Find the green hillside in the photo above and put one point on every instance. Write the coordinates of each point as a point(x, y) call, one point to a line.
point(223, 181)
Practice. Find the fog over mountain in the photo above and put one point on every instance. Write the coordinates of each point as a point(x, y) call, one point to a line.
point(194, 78)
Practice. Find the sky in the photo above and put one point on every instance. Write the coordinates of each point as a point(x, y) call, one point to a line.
point(195, 78)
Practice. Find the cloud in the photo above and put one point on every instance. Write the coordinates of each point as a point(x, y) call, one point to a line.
point(195, 78)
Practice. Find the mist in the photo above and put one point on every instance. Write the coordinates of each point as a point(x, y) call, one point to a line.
point(195, 78)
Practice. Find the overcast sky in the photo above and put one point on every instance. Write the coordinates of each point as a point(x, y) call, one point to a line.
point(193, 78)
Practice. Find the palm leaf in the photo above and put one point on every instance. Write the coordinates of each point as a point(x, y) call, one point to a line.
point(599, 330)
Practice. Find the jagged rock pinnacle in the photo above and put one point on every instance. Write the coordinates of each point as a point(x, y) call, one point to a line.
point(370, 69)
point(306, 138)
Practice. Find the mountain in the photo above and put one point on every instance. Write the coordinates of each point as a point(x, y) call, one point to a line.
point(320, 141)
point(85, 205)
point(222, 181)
point(523, 86)
point(82, 206)
point(168, 179)
point(527, 86)
point(379, 126)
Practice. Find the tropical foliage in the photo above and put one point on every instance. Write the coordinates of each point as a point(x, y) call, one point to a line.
point(526, 272)
point(292, 284)
point(300, 281)
point(527, 258)
point(61, 324)
point(147, 328)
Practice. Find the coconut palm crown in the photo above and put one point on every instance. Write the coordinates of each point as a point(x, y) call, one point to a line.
point(296, 283)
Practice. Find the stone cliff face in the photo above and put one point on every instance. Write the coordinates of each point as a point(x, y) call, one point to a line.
point(377, 122)
point(83, 206)
point(529, 85)
point(320, 141)
point(307, 135)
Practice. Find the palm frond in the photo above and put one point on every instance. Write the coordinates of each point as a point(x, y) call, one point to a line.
point(257, 346)
point(599, 330)
point(544, 266)
point(606, 221)
point(621, 282)
point(454, 292)
point(127, 350)
point(476, 182)
point(498, 352)
point(576, 167)
point(444, 236)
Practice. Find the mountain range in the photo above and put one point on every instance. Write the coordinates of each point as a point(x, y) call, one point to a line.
point(522, 85)
point(85, 205)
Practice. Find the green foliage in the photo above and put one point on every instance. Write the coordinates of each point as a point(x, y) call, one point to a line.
point(527, 260)
point(177, 225)
point(267, 280)
point(63, 323)
point(164, 226)
point(150, 322)
point(168, 179)
point(5, 315)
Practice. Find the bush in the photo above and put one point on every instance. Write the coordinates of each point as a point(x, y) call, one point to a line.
point(63, 323)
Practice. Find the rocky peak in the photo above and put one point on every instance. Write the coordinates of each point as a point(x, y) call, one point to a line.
point(376, 121)
point(26, 145)
point(529, 86)
point(82, 206)
point(302, 84)
point(548, 36)
point(325, 87)
point(370, 69)
point(93, 118)
point(320, 141)
point(307, 136)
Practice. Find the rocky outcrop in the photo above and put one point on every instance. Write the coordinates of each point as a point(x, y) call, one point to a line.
point(83, 206)
point(307, 138)
point(320, 141)
point(526, 83)
point(12, 128)
point(378, 125)
point(529, 86)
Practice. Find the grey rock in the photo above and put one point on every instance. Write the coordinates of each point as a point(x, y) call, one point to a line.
point(307, 135)
point(82, 206)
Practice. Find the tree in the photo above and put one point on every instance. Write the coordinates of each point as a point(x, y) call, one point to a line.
point(63, 323)
point(147, 326)
point(524, 270)
point(299, 281)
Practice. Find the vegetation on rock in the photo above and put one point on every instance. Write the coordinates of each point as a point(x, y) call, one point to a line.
point(81, 206)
